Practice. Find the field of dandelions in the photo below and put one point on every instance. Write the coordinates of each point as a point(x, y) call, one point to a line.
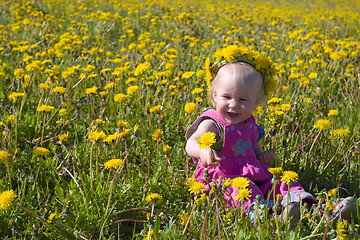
point(96, 96)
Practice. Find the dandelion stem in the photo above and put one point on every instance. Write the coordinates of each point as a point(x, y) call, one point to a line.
point(318, 226)
point(110, 194)
point(8, 171)
point(188, 220)
point(43, 130)
point(275, 210)
point(287, 210)
point(241, 218)
point(97, 160)
point(91, 168)
point(219, 218)
point(204, 225)
point(312, 145)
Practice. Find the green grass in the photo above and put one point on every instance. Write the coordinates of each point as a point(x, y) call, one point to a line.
point(90, 201)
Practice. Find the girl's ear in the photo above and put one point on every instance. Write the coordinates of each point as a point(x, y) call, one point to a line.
point(259, 100)
point(214, 93)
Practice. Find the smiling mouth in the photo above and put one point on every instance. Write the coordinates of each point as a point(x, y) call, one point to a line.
point(232, 115)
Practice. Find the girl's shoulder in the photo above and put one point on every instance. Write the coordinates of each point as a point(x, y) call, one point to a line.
point(207, 120)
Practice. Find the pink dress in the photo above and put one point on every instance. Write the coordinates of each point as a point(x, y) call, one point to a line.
point(238, 159)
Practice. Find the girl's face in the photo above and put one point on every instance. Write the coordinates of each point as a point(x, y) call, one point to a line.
point(235, 99)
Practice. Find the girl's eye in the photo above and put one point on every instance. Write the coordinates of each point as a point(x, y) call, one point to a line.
point(226, 97)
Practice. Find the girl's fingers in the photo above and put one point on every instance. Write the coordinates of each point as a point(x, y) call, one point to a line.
point(216, 157)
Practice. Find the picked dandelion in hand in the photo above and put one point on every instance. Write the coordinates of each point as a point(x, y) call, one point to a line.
point(206, 140)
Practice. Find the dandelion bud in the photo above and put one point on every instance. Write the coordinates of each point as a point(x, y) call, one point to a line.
point(258, 197)
point(206, 174)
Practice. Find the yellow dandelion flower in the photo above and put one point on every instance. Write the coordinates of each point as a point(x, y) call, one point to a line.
point(44, 86)
point(333, 112)
point(342, 133)
point(332, 192)
point(156, 109)
point(4, 156)
point(105, 70)
point(119, 97)
point(111, 137)
point(91, 90)
point(243, 194)
point(92, 75)
point(276, 171)
point(154, 198)
point(322, 124)
point(132, 89)
point(59, 89)
point(285, 106)
point(124, 133)
point(95, 136)
point(122, 124)
point(166, 149)
point(113, 163)
point(208, 74)
point(109, 85)
point(190, 107)
point(63, 138)
point(227, 182)
point(274, 100)
point(184, 216)
point(41, 151)
point(89, 68)
point(19, 72)
point(197, 90)
point(136, 128)
point(230, 52)
point(196, 187)
point(341, 228)
point(100, 122)
point(187, 75)
point(207, 140)
point(51, 218)
point(141, 68)
point(11, 119)
point(6, 199)
point(44, 108)
point(157, 134)
point(62, 111)
point(200, 73)
point(200, 200)
point(313, 75)
point(34, 66)
point(289, 176)
point(329, 206)
point(336, 56)
point(14, 96)
point(240, 182)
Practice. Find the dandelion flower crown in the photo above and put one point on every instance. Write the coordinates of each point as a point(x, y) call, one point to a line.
point(234, 53)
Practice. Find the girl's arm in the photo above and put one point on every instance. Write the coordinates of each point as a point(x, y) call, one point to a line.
point(264, 156)
point(207, 156)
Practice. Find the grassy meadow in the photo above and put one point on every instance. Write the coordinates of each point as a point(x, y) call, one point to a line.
point(96, 96)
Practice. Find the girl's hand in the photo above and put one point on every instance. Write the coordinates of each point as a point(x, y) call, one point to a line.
point(208, 157)
point(265, 156)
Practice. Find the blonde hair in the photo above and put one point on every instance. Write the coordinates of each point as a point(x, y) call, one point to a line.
point(241, 71)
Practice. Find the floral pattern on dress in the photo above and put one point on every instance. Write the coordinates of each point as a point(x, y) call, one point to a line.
point(240, 148)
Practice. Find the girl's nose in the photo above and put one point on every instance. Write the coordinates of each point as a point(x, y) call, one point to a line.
point(233, 103)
